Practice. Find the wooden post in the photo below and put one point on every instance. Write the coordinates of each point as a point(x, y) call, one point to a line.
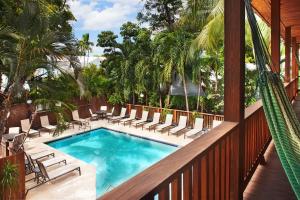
point(287, 71)
point(275, 34)
point(234, 89)
point(294, 54)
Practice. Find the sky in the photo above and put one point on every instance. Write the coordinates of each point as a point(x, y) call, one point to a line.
point(94, 16)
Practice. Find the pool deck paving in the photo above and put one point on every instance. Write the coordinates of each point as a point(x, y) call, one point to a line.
point(73, 186)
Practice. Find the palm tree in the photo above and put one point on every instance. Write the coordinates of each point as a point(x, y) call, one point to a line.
point(28, 45)
point(85, 46)
point(173, 50)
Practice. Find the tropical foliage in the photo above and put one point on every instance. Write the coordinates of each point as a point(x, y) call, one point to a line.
point(184, 41)
point(34, 35)
point(172, 40)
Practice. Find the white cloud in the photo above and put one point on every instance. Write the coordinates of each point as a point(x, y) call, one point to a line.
point(103, 15)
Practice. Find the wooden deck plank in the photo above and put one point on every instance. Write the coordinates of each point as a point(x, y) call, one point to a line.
point(270, 181)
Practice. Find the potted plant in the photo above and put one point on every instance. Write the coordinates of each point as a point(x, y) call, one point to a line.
point(8, 178)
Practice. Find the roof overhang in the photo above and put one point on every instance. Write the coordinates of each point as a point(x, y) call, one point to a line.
point(290, 14)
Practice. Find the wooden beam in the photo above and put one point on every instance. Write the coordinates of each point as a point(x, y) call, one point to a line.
point(294, 54)
point(275, 34)
point(234, 87)
point(287, 74)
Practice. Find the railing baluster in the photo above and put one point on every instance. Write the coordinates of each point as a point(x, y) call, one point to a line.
point(217, 171)
point(196, 180)
point(211, 174)
point(176, 188)
point(187, 184)
point(164, 193)
point(204, 177)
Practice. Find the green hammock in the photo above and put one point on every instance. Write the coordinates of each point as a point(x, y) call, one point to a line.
point(282, 121)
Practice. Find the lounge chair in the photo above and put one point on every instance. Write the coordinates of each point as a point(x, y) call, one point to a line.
point(45, 123)
point(181, 126)
point(167, 124)
point(154, 123)
point(103, 108)
point(42, 154)
point(198, 128)
point(117, 118)
point(32, 168)
point(77, 119)
point(14, 130)
point(216, 123)
point(111, 113)
point(25, 126)
point(94, 116)
point(46, 176)
point(58, 172)
point(17, 143)
point(130, 118)
point(141, 121)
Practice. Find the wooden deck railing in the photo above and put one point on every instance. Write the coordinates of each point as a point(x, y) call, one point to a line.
point(208, 118)
point(207, 167)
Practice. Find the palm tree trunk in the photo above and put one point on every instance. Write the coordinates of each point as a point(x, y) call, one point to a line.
point(185, 95)
point(133, 98)
point(217, 82)
point(5, 107)
point(87, 62)
point(0, 81)
point(198, 95)
point(160, 100)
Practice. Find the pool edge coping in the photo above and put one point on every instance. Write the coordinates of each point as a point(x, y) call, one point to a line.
point(122, 132)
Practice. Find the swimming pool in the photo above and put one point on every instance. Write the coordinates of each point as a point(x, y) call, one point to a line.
point(116, 156)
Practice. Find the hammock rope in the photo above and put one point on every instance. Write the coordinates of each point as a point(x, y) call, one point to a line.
point(281, 118)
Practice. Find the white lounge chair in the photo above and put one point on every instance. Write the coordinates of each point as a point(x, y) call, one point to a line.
point(17, 143)
point(117, 118)
point(141, 121)
point(181, 125)
point(167, 124)
point(130, 118)
point(77, 119)
point(111, 113)
point(154, 123)
point(25, 126)
point(45, 123)
point(94, 116)
point(216, 123)
point(103, 108)
point(42, 154)
point(198, 128)
point(14, 130)
point(60, 171)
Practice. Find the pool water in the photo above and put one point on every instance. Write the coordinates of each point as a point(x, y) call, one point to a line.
point(116, 156)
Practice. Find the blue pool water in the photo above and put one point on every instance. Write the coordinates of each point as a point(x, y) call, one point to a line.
point(116, 156)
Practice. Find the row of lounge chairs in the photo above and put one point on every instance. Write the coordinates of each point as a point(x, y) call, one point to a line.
point(44, 120)
point(26, 127)
point(157, 126)
point(39, 162)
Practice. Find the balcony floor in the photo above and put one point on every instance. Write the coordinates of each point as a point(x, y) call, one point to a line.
point(269, 181)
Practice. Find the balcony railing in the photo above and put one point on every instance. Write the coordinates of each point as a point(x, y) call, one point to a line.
point(207, 168)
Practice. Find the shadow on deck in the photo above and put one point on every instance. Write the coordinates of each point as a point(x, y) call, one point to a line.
point(269, 181)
